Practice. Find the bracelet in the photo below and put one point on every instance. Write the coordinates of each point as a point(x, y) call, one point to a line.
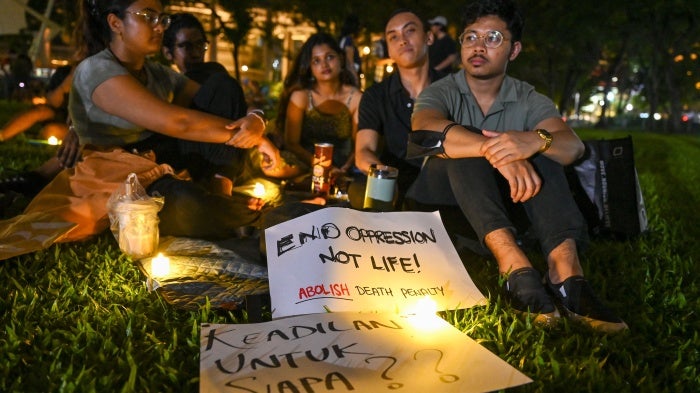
point(256, 111)
point(444, 134)
point(262, 119)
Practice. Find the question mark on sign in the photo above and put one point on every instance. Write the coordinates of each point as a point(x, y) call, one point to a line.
point(447, 378)
point(393, 385)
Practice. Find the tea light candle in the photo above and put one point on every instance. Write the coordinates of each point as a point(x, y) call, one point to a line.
point(160, 265)
point(423, 315)
point(259, 190)
point(425, 306)
point(53, 141)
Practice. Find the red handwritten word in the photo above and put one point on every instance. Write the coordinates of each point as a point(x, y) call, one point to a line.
point(335, 290)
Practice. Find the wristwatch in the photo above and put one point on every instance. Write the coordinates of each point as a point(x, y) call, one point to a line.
point(546, 137)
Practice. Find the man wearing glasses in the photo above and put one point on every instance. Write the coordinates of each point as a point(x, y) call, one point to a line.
point(512, 163)
point(185, 43)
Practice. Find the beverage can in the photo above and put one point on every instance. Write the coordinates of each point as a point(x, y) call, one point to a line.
point(320, 168)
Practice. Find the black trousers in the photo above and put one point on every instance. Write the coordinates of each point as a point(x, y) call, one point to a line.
point(483, 195)
point(190, 209)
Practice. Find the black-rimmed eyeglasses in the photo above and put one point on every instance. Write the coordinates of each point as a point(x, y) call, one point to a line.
point(189, 46)
point(152, 18)
point(492, 39)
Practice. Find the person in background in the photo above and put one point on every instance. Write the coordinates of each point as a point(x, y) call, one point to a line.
point(513, 158)
point(185, 44)
point(348, 34)
point(443, 52)
point(54, 114)
point(386, 107)
point(121, 100)
point(255, 94)
point(21, 83)
point(320, 103)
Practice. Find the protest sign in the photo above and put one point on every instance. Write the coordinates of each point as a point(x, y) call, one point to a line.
point(340, 352)
point(341, 259)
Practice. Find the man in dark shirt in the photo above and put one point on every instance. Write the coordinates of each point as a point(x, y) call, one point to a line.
point(386, 107)
point(443, 52)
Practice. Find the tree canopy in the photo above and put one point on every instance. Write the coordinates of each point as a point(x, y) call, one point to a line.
point(645, 50)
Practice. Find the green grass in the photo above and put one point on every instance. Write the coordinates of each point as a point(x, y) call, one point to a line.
point(78, 317)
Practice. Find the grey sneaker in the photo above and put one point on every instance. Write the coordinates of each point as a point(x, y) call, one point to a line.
point(526, 294)
point(579, 303)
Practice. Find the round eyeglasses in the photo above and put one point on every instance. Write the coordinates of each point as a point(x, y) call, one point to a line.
point(189, 46)
point(492, 39)
point(152, 18)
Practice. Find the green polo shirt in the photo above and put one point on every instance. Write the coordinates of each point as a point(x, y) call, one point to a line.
point(517, 107)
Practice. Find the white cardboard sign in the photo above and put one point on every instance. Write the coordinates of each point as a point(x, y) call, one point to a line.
point(343, 352)
point(340, 259)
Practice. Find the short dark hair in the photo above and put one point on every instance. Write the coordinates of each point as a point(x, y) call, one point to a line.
point(407, 10)
point(178, 22)
point(507, 10)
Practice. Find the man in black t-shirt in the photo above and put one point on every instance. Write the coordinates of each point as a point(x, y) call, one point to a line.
point(386, 107)
point(443, 52)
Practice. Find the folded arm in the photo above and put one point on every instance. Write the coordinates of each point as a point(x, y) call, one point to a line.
point(505, 147)
point(458, 143)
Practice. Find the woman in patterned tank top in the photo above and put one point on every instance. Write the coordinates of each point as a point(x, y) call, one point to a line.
point(320, 103)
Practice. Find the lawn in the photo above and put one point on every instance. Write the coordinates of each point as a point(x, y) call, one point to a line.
point(79, 318)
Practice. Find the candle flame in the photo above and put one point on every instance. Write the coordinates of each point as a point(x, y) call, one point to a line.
point(160, 265)
point(425, 306)
point(259, 190)
point(423, 315)
point(53, 141)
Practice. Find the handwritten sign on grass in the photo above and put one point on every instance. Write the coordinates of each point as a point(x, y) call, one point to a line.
point(341, 259)
point(342, 352)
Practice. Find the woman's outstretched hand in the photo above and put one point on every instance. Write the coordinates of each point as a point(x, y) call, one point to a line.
point(248, 129)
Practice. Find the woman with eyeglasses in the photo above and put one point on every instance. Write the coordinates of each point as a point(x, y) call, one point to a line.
point(320, 103)
point(120, 99)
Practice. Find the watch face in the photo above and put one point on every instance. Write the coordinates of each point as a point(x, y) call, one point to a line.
point(546, 137)
point(544, 133)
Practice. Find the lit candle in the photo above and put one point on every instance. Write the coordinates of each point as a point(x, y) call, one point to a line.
point(423, 315)
point(53, 141)
point(160, 265)
point(425, 306)
point(259, 190)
